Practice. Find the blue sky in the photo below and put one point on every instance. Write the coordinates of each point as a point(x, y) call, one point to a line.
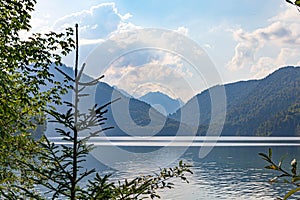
point(245, 39)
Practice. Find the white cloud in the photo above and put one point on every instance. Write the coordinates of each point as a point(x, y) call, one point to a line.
point(182, 30)
point(39, 25)
point(132, 78)
point(97, 22)
point(160, 68)
point(265, 49)
point(126, 16)
point(266, 65)
point(91, 42)
point(159, 72)
point(290, 14)
point(95, 25)
point(124, 27)
point(244, 51)
point(208, 46)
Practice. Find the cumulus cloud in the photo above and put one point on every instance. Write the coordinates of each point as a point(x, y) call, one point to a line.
point(156, 71)
point(40, 25)
point(208, 46)
point(265, 65)
point(136, 80)
point(281, 36)
point(182, 30)
point(144, 59)
point(153, 67)
point(244, 51)
point(97, 22)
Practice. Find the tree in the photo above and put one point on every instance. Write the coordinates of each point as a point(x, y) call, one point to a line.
point(285, 177)
point(24, 70)
point(58, 168)
point(25, 65)
point(295, 3)
point(26, 164)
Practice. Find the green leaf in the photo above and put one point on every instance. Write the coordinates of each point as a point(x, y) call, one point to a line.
point(273, 167)
point(290, 193)
point(295, 179)
point(294, 170)
point(180, 163)
point(265, 157)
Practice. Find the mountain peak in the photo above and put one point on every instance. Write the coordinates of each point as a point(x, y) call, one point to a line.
point(268, 106)
point(162, 102)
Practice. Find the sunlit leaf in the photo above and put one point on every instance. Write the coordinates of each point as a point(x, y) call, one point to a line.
point(290, 193)
point(271, 167)
point(295, 179)
point(270, 153)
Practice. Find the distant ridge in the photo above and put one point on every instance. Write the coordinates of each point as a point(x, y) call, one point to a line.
point(265, 107)
point(138, 122)
point(168, 104)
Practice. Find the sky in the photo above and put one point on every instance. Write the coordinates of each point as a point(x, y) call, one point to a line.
point(152, 44)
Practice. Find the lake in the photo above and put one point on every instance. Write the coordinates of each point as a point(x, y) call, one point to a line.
point(231, 169)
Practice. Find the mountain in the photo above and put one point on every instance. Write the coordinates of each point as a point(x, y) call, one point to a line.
point(130, 116)
point(162, 102)
point(265, 107)
point(287, 121)
point(122, 91)
point(127, 116)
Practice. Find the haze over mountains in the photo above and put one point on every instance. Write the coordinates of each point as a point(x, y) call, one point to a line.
point(130, 116)
point(269, 106)
point(164, 104)
point(266, 107)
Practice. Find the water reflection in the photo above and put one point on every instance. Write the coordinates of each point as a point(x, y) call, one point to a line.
point(226, 173)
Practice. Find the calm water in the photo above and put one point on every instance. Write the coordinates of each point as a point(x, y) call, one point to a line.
point(225, 173)
point(231, 170)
